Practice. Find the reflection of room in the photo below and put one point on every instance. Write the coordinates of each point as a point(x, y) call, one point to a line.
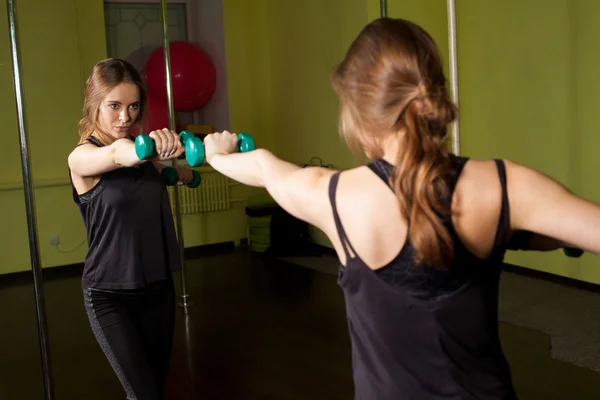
point(267, 318)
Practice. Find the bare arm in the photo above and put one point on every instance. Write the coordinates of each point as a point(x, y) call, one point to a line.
point(88, 160)
point(249, 168)
point(300, 191)
point(184, 172)
point(542, 205)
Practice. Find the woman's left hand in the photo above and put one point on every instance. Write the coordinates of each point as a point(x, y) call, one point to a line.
point(184, 172)
point(220, 143)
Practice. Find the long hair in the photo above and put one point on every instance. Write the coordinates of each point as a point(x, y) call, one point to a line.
point(106, 75)
point(391, 84)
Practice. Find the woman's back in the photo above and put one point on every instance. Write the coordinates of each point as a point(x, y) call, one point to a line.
point(419, 332)
point(372, 219)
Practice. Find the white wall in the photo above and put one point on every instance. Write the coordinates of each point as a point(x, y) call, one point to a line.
point(205, 29)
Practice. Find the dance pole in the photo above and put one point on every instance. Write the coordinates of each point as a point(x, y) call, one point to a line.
point(38, 284)
point(453, 53)
point(185, 301)
point(383, 8)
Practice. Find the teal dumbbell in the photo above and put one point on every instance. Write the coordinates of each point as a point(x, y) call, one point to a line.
point(171, 177)
point(245, 143)
point(572, 252)
point(194, 149)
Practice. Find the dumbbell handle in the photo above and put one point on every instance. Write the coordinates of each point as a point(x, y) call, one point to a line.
point(195, 152)
point(171, 178)
point(194, 148)
point(245, 143)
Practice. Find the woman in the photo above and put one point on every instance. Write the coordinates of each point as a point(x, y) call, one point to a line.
point(127, 282)
point(420, 233)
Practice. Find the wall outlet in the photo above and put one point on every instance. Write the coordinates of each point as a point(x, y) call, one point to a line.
point(54, 241)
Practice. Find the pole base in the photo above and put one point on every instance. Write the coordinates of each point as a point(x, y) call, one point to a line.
point(185, 301)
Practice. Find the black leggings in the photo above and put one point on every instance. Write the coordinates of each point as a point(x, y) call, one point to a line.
point(135, 331)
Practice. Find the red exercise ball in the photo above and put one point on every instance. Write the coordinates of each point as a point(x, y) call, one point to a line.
point(157, 115)
point(193, 75)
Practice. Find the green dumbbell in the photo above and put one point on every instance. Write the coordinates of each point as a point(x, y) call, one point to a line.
point(144, 146)
point(194, 150)
point(171, 177)
point(245, 143)
point(572, 252)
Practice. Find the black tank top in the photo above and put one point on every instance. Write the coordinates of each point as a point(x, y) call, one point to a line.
point(130, 230)
point(424, 334)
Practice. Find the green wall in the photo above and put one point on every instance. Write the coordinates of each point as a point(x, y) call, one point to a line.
point(60, 41)
point(279, 72)
point(526, 80)
point(9, 140)
point(308, 40)
point(429, 14)
point(527, 90)
point(527, 93)
point(280, 56)
point(283, 53)
point(248, 57)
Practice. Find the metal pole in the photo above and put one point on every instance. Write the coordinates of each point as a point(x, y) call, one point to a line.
point(383, 8)
point(453, 71)
point(38, 284)
point(185, 302)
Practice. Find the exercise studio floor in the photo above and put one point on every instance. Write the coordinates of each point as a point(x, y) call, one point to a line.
point(264, 329)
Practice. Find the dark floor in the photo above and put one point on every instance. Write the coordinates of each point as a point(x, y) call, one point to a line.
point(258, 330)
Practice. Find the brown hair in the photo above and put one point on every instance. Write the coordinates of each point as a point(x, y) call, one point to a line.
point(106, 75)
point(392, 84)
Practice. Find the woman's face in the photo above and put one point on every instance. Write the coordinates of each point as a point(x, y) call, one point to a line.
point(119, 110)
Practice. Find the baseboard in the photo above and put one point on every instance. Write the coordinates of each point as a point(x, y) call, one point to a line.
point(562, 280)
point(71, 270)
point(67, 271)
point(325, 249)
point(208, 250)
point(49, 274)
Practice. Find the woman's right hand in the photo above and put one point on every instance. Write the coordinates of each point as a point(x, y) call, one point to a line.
point(167, 144)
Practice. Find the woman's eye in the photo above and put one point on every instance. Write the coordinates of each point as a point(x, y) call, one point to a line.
point(114, 106)
point(134, 106)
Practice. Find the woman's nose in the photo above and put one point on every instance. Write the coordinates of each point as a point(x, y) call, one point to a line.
point(124, 116)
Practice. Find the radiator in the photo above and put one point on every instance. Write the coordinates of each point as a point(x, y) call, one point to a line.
point(213, 194)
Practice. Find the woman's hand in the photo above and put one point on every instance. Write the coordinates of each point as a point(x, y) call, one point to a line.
point(184, 172)
point(167, 144)
point(220, 143)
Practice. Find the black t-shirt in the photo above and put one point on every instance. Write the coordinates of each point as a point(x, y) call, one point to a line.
point(130, 229)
